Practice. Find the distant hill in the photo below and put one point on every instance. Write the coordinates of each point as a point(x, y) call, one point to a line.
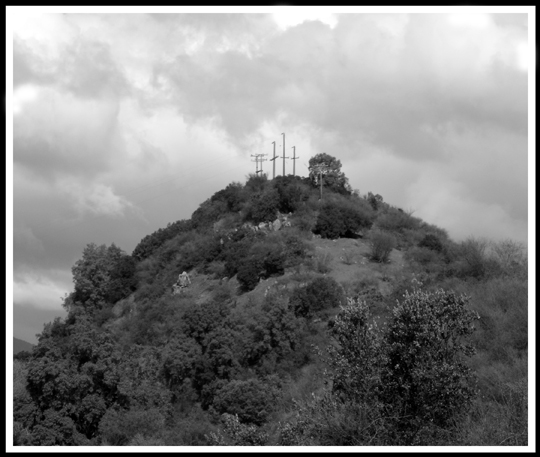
point(20, 345)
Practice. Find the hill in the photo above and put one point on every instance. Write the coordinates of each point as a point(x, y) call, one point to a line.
point(305, 321)
point(20, 345)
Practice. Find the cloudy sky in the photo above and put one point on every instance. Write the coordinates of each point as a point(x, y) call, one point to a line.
point(125, 122)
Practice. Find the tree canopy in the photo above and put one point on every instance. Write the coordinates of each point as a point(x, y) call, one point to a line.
point(332, 176)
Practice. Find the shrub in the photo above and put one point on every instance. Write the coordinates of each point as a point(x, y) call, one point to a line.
point(321, 262)
point(320, 294)
point(473, 252)
point(252, 400)
point(295, 249)
point(395, 220)
point(428, 260)
point(341, 218)
point(233, 196)
point(374, 200)
point(511, 258)
point(265, 259)
point(263, 206)
point(256, 183)
point(291, 193)
point(381, 245)
point(358, 359)
point(118, 427)
point(148, 245)
point(425, 380)
point(430, 241)
point(249, 273)
point(237, 434)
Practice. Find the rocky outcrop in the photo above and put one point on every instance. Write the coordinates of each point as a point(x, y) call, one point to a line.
point(182, 282)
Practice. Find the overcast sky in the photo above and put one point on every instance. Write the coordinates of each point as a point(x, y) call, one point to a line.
point(125, 122)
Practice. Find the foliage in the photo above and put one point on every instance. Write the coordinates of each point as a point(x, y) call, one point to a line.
point(76, 374)
point(342, 218)
point(251, 401)
point(321, 262)
point(237, 434)
point(320, 294)
point(425, 380)
point(374, 200)
point(431, 242)
point(180, 358)
point(265, 259)
point(233, 196)
point(256, 183)
point(473, 252)
point(381, 245)
point(333, 178)
point(148, 245)
point(119, 427)
point(102, 276)
point(324, 420)
point(263, 206)
point(358, 359)
point(396, 220)
point(292, 192)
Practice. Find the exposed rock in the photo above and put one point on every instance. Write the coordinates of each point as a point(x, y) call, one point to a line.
point(276, 225)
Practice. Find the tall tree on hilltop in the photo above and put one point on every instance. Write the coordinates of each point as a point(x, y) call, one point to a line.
point(333, 178)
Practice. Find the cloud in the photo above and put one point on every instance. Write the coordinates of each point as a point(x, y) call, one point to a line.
point(49, 292)
point(97, 199)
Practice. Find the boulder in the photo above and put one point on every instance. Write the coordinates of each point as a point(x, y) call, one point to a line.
point(276, 225)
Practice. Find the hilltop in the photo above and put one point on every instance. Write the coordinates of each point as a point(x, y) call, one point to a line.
point(294, 283)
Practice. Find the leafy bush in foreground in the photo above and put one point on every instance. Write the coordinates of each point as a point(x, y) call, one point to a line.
point(404, 386)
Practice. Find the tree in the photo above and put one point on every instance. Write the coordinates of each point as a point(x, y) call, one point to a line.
point(102, 276)
point(251, 400)
point(374, 200)
point(332, 176)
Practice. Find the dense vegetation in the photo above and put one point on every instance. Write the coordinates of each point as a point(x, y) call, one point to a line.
point(427, 345)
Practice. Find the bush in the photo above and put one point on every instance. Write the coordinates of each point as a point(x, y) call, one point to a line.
point(425, 380)
point(150, 243)
point(341, 218)
point(395, 220)
point(320, 294)
point(118, 427)
point(252, 400)
point(237, 434)
point(381, 245)
point(473, 255)
point(249, 273)
point(430, 241)
point(263, 206)
point(291, 193)
point(265, 259)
